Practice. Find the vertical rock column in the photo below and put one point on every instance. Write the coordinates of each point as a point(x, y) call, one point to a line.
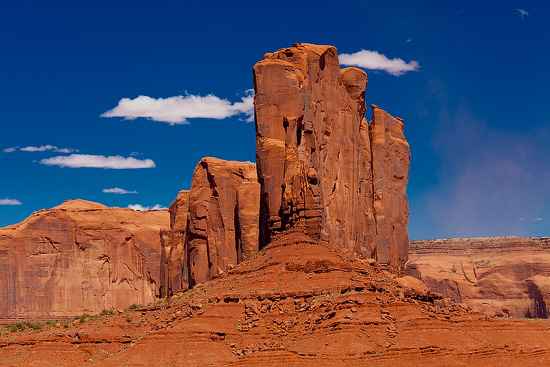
point(223, 217)
point(312, 147)
point(174, 274)
point(390, 167)
point(315, 162)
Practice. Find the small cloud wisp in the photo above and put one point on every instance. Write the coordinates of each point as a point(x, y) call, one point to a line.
point(9, 202)
point(98, 161)
point(523, 13)
point(372, 60)
point(141, 207)
point(42, 148)
point(118, 190)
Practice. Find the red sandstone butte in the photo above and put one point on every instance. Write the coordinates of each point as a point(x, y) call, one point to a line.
point(321, 166)
point(223, 217)
point(79, 257)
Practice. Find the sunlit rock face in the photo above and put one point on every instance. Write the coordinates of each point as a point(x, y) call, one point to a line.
point(223, 217)
point(213, 226)
point(79, 257)
point(322, 167)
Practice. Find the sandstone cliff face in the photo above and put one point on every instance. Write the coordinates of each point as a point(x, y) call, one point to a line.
point(317, 169)
point(223, 217)
point(503, 276)
point(173, 267)
point(390, 169)
point(79, 257)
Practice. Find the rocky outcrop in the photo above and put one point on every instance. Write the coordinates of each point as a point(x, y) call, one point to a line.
point(223, 217)
point(321, 167)
point(173, 267)
point(298, 303)
point(502, 276)
point(79, 257)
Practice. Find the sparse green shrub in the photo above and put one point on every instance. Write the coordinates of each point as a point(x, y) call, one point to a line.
point(82, 318)
point(133, 307)
point(22, 326)
point(36, 326)
point(11, 327)
point(105, 312)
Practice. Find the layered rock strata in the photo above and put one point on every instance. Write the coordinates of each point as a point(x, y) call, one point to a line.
point(223, 217)
point(321, 167)
point(79, 257)
point(502, 276)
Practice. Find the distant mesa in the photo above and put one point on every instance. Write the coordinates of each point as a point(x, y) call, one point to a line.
point(499, 276)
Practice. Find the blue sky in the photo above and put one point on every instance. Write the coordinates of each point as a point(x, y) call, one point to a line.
point(475, 107)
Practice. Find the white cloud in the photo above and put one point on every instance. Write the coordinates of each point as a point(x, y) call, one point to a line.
point(141, 207)
point(176, 110)
point(44, 148)
point(373, 60)
point(9, 202)
point(537, 219)
point(118, 190)
point(523, 13)
point(10, 150)
point(98, 161)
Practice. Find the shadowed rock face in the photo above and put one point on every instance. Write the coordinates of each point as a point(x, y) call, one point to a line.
point(503, 276)
point(321, 167)
point(79, 257)
point(173, 268)
point(223, 217)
